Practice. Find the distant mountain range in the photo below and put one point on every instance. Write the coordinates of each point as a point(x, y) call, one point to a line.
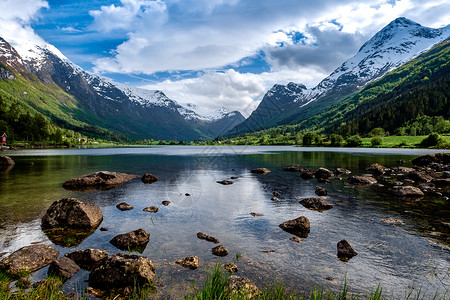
point(134, 112)
point(397, 43)
point(45, 82)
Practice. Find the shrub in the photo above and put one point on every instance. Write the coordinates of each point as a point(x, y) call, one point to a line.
point(310, 138)
point(376, 141)
point(377, 132)
point(354, 141)
point(432, 140)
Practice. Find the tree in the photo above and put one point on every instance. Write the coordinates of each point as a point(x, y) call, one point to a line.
point(432, 140)
point(336, 140)
point(310, 138)
point(377, 132)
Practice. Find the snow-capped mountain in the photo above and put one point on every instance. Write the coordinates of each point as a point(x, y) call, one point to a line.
point(129, 110)
point(396, 44)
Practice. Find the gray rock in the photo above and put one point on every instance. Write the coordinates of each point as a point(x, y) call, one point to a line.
point(122, 271)
point(152, 209)
point(149, 178)
point(29, 259)
point(72, 213)
point(101, 179)
point(261, 171)
point(63, 267)
point(6, 161)
point(204, 236)
point(320, 191)
point(124, 206)
point(341, 171)
point(322, 173)
point(89, 258)
point(135, 240)
point(377, 169)
point(190, 262)
point(299, 226)
point(345, 251)
point(220, 250)
point(225, 182)
point(361, 180)
point(316, 204)
point(407, 191)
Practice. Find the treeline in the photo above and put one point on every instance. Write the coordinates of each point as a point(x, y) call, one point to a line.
point(20, 124)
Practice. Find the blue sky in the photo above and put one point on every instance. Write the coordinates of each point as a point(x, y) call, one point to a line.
point(211, 52)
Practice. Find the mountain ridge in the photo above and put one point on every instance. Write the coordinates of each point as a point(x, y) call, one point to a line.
point(398, 42)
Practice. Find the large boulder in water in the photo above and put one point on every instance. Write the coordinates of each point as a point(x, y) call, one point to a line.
point(29, 259)
point(6, 161)
point(69, 221)
point(72, 213)
point(122, 271)
point(149, 178)
point(134, 240)
point(299, 226)
point(101, 179)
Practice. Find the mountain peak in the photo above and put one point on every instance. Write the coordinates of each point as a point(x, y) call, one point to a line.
point(402, 22)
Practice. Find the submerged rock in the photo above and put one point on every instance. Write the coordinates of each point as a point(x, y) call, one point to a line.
point(123, 271)
point(149, 178)
point(101, 179)
point(361, 180)
point(296, 239)
point(135, 240)
point(345, 251)
point(341, 171)
point(165, 202)
point(292, 169)
point(261, 171)
point(316, 204)
point(322, 173)
point(190, 262)
point(124, 206)
point(204, 236)
point(63, 267)
point(299, 226)
point(256, 214)
point(408, 191)
point(417, 176)
point(307, 173)
point(220, 250)
point(377, 169)
point(87, 259)
point(72, 213)
point(320, 191)
point(28, 259)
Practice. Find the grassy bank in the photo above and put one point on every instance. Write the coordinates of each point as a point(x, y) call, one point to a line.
point(217, 286)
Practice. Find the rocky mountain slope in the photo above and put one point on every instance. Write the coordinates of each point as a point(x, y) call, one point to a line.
point(134, 112)
point(396, 44)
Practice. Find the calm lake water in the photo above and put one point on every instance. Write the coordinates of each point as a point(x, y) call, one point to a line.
point(414, 255)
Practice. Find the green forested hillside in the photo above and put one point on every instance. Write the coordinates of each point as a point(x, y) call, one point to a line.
point(414, 92)
point(33, 111)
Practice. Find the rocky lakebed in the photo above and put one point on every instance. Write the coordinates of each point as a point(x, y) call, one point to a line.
point(68, 222)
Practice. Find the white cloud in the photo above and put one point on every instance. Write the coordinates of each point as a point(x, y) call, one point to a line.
point(231, 89)
point(15, 18)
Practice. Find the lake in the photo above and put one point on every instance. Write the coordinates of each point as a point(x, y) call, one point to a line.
point(401, 258)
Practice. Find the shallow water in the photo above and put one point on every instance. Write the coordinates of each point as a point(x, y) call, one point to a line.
point(410, 256)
